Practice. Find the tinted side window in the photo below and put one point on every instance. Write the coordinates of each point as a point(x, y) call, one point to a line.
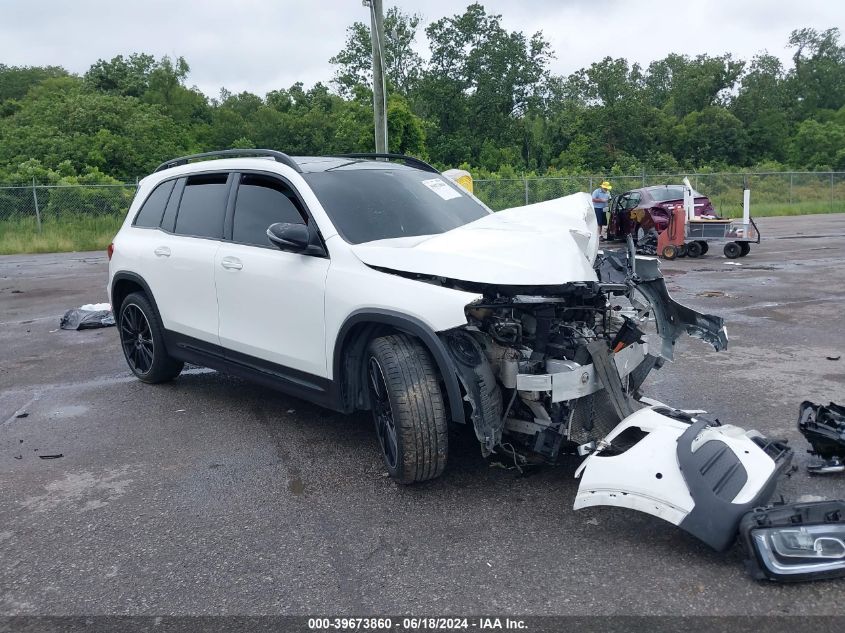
point(169, 219)
point(153, 208)
point(203, 206)
point(262, 201)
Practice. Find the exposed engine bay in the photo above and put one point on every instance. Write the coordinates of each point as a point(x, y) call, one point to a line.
point(559, 368)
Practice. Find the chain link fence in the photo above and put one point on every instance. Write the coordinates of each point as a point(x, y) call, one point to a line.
point(33, 207)
point(774, 193)
point(38, 205)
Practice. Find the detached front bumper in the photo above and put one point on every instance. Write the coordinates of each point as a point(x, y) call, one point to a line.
point(694, 473)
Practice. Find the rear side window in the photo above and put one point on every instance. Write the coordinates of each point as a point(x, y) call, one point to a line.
point(203, 206)
point(262, 201)
point(633, 201)
point(153, 208)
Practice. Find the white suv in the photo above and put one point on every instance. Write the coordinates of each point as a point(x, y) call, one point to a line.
point(363, 283)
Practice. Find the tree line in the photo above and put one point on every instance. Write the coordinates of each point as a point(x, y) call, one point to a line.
point(483, 98)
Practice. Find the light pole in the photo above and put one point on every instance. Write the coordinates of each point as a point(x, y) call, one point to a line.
point(379, 91)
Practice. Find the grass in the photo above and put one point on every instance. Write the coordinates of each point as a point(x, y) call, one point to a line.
point(766, 209)
point(83, 232)
point(58, 235)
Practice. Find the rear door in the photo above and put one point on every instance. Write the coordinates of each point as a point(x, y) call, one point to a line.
point(271, 302)
point(180, 269)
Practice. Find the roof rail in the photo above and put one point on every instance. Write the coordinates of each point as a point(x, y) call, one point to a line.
point(279, 157)
point(410, 161)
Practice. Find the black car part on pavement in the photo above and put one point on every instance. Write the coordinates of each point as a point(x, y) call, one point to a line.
point(795, 542)
point(824, 429)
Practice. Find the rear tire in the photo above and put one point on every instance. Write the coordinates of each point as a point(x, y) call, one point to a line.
point(732, 250)
point(142, 341)
point(409, 411)
point(704, 247)
point(745, 248)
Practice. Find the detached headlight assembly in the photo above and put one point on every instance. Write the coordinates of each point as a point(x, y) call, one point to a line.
point(795, 542)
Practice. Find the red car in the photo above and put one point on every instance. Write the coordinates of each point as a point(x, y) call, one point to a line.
point(637, 211)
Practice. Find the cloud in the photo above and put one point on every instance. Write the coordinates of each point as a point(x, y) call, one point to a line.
point(259, 46)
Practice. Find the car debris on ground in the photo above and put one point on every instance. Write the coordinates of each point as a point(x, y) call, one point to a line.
point(87, 317)
point(824, 428)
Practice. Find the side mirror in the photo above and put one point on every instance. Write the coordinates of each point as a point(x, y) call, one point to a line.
point(296, 238)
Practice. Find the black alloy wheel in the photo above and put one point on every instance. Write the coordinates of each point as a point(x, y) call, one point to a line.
point(142, 340)
point(383, 413)
point(137, 339)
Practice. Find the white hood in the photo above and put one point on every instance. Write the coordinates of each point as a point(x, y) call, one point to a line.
point(548, 243)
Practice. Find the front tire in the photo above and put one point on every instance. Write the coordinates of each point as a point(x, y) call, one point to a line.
point(408, 408)
point(142, 341)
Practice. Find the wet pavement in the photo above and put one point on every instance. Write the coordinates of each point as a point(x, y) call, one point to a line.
point(213, 496)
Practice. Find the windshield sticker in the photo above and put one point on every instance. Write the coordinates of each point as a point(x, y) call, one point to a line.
point(441, 188)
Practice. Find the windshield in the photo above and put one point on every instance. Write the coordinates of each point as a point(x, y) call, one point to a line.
point(376, 204)
point(670, 193)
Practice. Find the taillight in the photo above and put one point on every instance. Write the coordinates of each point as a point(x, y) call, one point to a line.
point(110, 250)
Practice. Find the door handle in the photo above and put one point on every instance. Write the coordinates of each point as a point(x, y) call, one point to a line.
point(231, 263)
point(162, 251)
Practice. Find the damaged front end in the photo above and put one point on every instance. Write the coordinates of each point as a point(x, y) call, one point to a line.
point(549, 371)
point(555, 369)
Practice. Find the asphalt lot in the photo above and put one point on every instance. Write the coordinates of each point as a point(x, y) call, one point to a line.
point(212, 496)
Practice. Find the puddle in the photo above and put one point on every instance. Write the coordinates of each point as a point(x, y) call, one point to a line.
point(296, 486)
point(69, 411)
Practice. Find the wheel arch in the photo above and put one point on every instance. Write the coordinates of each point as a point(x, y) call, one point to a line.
point(362, 326)
point(123, 284)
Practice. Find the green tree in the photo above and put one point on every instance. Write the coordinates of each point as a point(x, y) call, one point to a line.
point(819, 146)
point(60, 120)
point(402, 63)
point(480, 81)
point(683, 84)
point(712, 135)
point(818, 78)
point(762, 104)
point(15, 81)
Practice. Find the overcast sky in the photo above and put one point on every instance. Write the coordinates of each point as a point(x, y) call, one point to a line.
point(261, 45)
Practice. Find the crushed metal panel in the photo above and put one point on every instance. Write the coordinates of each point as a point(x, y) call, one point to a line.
point(672, 319)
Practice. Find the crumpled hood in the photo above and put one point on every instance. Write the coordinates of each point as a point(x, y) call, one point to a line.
point(549, 243)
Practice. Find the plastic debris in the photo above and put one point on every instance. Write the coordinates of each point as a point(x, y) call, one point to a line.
point(56, 456)
point(89, 316)
point(824, 428)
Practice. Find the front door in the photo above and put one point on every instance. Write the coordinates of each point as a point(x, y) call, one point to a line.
point(270, 302)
